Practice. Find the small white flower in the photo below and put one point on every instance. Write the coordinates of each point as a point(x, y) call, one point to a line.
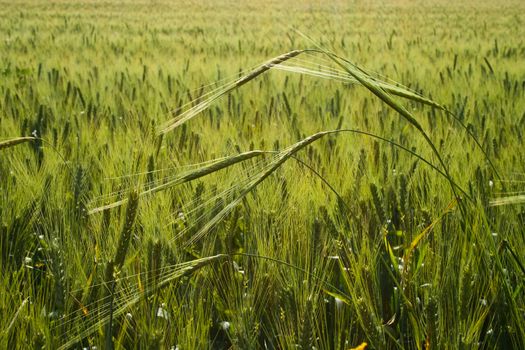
point(491, 183)
point(28, 260)
point(162, 313)
point(225, 325)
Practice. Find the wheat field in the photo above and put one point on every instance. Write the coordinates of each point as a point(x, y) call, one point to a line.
point(262, 175)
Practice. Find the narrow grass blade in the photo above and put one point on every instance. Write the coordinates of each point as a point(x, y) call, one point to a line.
point(5, 332)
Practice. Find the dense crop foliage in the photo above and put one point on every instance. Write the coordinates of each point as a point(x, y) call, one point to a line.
point(310, 202)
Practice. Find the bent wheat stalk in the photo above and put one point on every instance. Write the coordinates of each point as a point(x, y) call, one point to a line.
point(173, 123)
point(276, 62)
point(282, 157)
point(356, 74)
point(16, 141)
point(189, 176)
point(382, 94)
